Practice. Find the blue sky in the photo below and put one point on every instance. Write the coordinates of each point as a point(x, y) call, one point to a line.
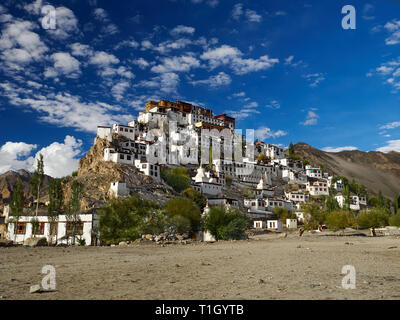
point(285, 69)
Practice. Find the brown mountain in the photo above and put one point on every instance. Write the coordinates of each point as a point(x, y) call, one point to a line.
point(8, 181)
point(376, 170)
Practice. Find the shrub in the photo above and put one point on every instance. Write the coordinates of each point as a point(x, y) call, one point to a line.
point(179, 224)
point(195, 196)
point(374, 218)
point(284, 214)
point(185, 208)
point(315, 213)
point(395, 220)
point(226, 224)
point(124, 219)
point(340, 219)
point(177, 178)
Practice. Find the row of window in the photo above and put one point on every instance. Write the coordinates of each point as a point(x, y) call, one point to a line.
point(21, 228)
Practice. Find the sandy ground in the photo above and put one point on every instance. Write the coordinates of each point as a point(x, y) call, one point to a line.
point(265, 267)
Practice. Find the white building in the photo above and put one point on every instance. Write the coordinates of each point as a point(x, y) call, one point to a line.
point(291, 223)
point(356, 202)
point(271, 203)
point(313, 172)
point(297, 196)
point(223, 202)
point(151, 170)
point(118, 189)
point(318, 187)
point(275, 225)
point(259, 224)
point(64, 228)
point(126, 131)
point(104, 133)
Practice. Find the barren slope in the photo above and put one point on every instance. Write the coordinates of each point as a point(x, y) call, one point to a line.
point(376, 170)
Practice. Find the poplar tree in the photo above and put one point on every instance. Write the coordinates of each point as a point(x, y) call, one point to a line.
point(37, 181)
point(17, 204)
point(56, 201)
point(74, 206)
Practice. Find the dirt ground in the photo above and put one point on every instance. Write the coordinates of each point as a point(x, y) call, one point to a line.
point(265, 267)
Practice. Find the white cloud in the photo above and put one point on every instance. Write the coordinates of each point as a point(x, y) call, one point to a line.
point(80, 50)
point(239, 94)
point(237, 11)
point(19, 45)
point(391, 125)
point(311, 119)
point(176, 64)
point(273, 104)
point(66, 24)
point(119, 89)
point(166, 83)
point(393, 28)
point(391, 145)
point(264, 133)
point(314, 79)
point(34, 7)
point(182, 30)
point(60, 159)
point(11, 154)
point(221, 79)
point(64, 64)
point(391, 72)
point(227, 55)
point(253, 16)
point(141, 63)
point(66, 110)
point(102, 59)
point(127, 43)
point(339, 149)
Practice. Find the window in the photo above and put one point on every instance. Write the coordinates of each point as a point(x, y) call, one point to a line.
point(128, 157)
point(78, 228)
point(40, 229)
point(121, 156)
point(21, 227)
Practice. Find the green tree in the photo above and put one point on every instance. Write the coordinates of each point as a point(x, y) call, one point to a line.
point(380, 200)
point(56, 202)
point(314, 215)
point(196, 197)
point(37, 180)
point(346, 195)
point(394, 220)
point(126, 219)
point(374, 218)
point(291, 151)
point(186, 208)
point(226, 224)
point(283, 214)
point(17, 204)
point(331, 203)
point(396, 203)
point(177, 178)
point(73, 207)
point(340, 219)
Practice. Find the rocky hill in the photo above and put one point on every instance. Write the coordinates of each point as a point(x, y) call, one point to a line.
point(97, 175)
point(376, 170)
point(8, 182)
